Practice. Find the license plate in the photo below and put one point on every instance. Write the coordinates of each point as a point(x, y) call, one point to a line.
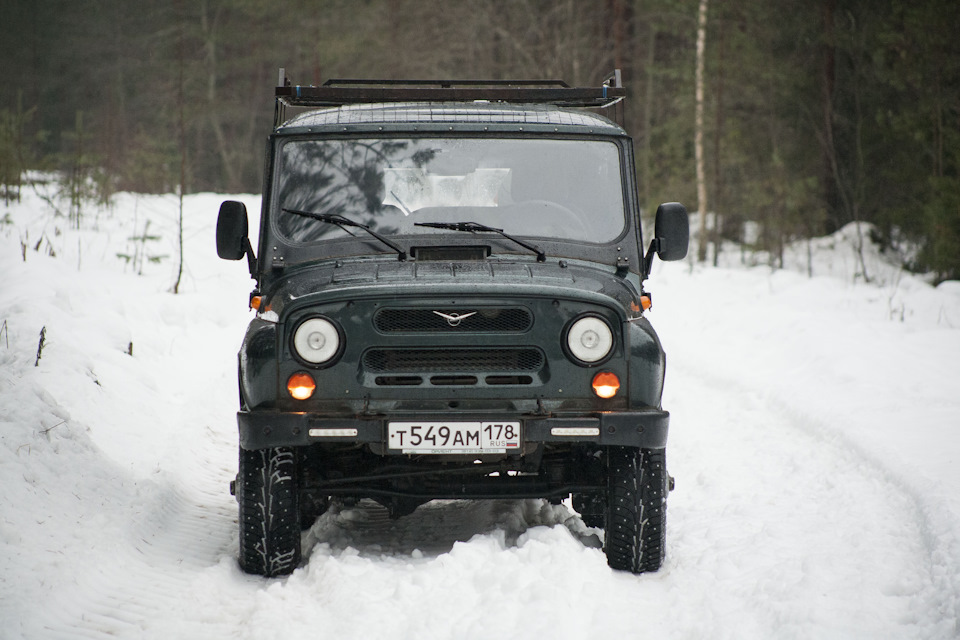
point(454, 437)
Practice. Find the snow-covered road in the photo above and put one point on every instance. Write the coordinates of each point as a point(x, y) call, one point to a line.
point(813, 439)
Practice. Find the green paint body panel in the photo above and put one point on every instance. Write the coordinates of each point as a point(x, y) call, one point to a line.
point(481, 337)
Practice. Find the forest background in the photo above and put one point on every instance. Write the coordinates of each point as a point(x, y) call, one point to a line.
point(816, 113)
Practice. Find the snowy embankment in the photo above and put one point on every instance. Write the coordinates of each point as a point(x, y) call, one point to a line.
point(814, 442)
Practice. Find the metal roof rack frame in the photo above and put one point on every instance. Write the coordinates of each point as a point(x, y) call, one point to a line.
point(340, 92)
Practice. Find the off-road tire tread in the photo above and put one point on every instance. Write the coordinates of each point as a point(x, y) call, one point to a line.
point(269, 512)
point(635, 536)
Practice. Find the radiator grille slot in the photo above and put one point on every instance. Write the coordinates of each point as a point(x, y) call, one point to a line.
point(405, 361)
point(464, 320)
point(453, 381)
point(398, 381)
point(508, 380)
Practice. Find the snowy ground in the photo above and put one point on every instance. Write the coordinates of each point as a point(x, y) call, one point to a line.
point(814, 441)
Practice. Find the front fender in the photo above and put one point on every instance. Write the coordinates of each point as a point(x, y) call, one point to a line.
point(647, 364)
point(258, 365)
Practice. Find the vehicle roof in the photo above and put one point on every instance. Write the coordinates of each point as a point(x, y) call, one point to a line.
point(468, 114)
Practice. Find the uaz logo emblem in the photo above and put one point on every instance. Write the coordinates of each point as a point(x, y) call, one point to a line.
point(454, 319)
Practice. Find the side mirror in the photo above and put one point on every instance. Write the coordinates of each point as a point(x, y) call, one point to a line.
point(672, 231)
point(232, 240)
point(671, 235)
point(232, 230)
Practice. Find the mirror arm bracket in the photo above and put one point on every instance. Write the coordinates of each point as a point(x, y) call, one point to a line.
point(648, 258)
point(251, 258)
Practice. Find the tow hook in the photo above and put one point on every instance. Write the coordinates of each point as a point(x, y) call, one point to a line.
point(671, 483)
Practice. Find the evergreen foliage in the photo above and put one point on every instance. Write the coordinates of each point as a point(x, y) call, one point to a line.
point(817, 114)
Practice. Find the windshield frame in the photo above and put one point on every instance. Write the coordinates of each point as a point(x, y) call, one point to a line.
point(274, 246)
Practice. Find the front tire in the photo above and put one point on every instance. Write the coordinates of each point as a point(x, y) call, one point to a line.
point(267, 490)
point(635, 536)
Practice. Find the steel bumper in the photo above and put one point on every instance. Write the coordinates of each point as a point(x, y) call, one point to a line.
point(645, 429)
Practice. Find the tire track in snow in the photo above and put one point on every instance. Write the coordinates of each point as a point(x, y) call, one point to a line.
point(163, 532)
point(182, 523)
point(826, 360)
point(165, 537)
point(796, 525)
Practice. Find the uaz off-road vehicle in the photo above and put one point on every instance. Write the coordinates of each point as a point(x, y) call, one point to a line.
point(450, 305)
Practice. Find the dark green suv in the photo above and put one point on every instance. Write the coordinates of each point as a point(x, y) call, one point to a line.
point(450, 305)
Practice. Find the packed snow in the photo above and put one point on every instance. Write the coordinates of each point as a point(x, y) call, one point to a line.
point(815, 441)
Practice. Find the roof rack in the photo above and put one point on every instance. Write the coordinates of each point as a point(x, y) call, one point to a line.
point(339, 92)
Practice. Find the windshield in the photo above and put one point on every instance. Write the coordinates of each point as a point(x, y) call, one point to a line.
point(562, 189)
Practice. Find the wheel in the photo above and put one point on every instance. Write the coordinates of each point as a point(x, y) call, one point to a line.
point(636, 513)
point(269, 511)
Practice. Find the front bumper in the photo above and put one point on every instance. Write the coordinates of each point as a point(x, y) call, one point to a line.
point(261, 429)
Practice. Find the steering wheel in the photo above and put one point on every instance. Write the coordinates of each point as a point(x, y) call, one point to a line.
point(574, 225)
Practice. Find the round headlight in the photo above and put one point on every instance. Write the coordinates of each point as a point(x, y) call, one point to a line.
point(316, 340)
point(589, 339)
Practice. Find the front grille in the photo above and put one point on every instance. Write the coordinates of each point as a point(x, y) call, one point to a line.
point(452, 360)
point(465, 320)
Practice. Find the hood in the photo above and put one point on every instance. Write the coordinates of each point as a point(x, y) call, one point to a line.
point(365, 279)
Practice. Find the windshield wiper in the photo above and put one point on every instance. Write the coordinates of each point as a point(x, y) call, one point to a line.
point(476, 227)
point(340, 221)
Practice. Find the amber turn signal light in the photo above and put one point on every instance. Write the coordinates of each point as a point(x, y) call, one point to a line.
point(301, 386)
point(255, 303)
point(645, 304)
point(606, 384)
